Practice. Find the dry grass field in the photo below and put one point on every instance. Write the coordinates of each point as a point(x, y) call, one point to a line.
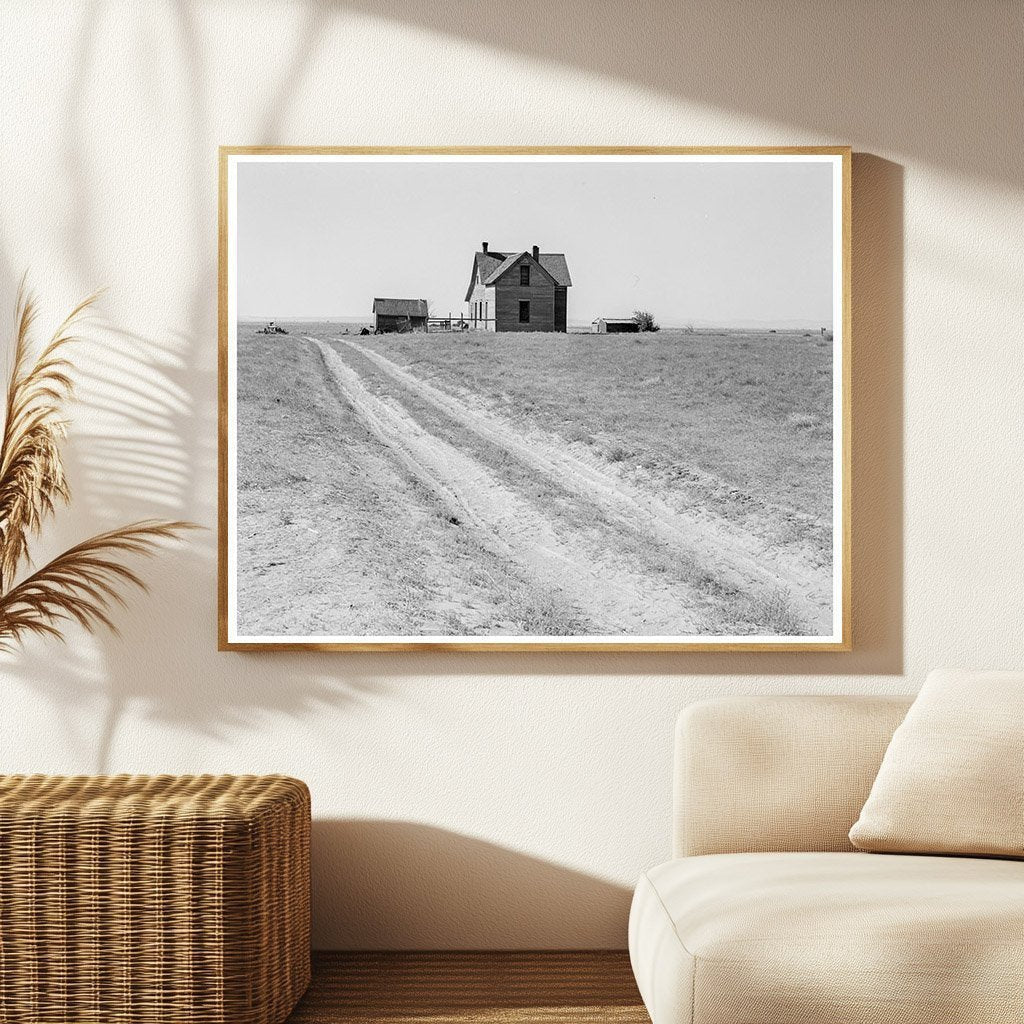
point(534, 484)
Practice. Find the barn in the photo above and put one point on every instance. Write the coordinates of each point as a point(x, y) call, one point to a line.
point(399, 316)
point(518, 291)
point(614, 325)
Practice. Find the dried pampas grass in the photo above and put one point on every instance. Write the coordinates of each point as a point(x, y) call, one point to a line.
point(83, 583)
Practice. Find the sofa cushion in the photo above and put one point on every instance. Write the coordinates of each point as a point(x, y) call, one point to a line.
point(793, 938)
point(950, 780)
point(784, 773)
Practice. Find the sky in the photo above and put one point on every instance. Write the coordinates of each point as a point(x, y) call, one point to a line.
point(695, 243)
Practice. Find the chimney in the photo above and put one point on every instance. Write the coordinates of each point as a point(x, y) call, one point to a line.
point(536, 252)
point(484, 246)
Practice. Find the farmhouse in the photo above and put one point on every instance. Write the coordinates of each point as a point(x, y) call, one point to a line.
point(518, 291)
point(399, 316)
point(614, 325)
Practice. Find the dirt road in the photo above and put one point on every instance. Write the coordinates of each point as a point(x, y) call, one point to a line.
point(563, 560)
point(615, 559)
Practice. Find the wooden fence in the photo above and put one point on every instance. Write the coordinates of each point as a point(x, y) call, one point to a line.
point(459, 323)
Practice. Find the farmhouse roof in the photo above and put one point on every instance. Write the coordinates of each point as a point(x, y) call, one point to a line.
point(489, 266)
point(400, 307)
point(554, 263)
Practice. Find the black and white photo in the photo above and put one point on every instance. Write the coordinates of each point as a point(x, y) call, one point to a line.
point(496, 399)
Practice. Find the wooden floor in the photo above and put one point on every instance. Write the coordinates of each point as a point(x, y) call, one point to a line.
point(465, 988)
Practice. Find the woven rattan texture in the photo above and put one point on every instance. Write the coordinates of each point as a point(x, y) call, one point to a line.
point(144, 899)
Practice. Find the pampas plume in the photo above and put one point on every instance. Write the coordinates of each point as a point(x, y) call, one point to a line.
point(83, 583)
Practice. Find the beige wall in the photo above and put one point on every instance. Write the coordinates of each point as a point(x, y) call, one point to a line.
point(479, 800)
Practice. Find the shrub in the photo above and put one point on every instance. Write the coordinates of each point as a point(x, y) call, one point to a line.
point(645, 320)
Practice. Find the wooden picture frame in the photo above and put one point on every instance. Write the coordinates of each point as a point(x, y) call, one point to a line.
point(832, 363)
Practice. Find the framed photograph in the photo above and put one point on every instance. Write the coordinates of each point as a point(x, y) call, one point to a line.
point(521, 399)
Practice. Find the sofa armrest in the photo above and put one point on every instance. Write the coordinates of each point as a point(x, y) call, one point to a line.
point(759, 774)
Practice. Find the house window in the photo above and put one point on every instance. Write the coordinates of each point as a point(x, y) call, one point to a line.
point(524, 275)
point(524, 312)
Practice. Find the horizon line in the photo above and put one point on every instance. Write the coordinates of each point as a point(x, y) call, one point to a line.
point(793, 324)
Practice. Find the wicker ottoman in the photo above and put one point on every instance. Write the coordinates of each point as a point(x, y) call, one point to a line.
point(135, 899)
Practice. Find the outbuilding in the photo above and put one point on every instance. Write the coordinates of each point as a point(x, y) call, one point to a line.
point(614, 325)
point(399, 316)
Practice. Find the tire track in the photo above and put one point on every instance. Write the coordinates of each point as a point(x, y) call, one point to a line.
point(727, 553)
point(620, 601)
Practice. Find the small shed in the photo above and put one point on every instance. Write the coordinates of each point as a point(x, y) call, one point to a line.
point(614, 325)
point(399, 316)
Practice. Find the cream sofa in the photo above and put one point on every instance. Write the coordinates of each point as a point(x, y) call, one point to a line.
point(769, 916)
